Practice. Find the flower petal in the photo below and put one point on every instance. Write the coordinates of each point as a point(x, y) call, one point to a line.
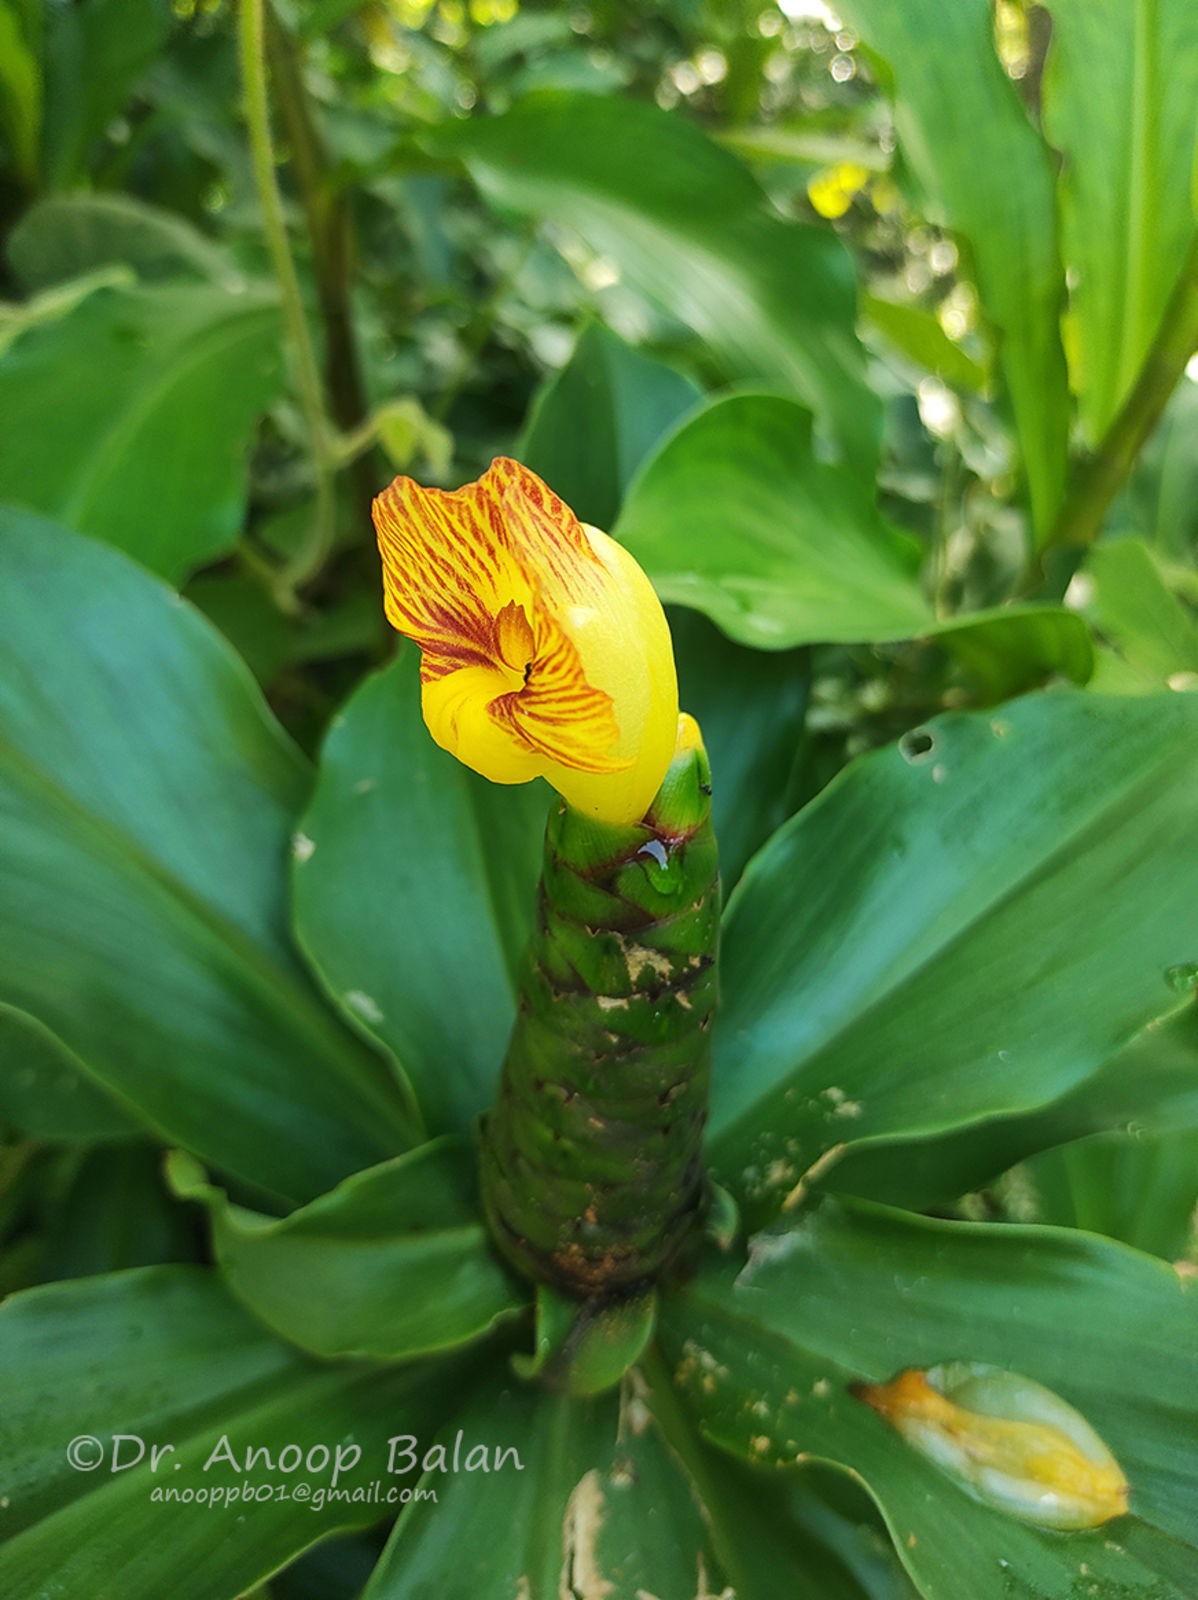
point(448, 571)
point(544, 650)
point(557, 713)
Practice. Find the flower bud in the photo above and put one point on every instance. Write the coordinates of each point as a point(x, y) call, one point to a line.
point(544, 650)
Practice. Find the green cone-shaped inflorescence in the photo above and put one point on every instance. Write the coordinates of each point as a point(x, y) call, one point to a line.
point(591, 1159)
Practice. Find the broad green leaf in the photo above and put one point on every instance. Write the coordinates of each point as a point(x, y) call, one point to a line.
point(95, 54)
point(735, 516)
point(163, 1355)
point(394, 1263)
point(751, 708)
point(64, 236)
point(1123, 595)
point(414, 887)
point(802, 144)
point(600, 1508)
point(593, 424)
point(688, 224)
point(963, 925)
point(49, 307)
point(1149, 1088)
point(918, 334)
point(1119, 105)
point(765, 1524)
point(1135, 1187)
point(47, 1093)
point(1010, 649)
point(987, 175)
point(764, 1357)
point(146, 802)
point(131, 417)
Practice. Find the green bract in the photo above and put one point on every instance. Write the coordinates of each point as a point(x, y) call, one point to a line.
point(592, 1171)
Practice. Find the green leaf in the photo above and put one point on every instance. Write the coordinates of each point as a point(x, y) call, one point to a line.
point(595, 422)
point(115, 1214)
point(802, 144)
point(918, 334)
point(689, 225)
point(987, 175)
point(735, 517)
point(751, 707)
point(1010, 649)
point(962, 925)
point(1128, 1186)
point(1123, 595)
point(65, 236)
point(147, 799)
point(1118, 103)
point(95, 55)
point(600, 1508)
point(1150, 1087)
point(764, 1524)
point(794, 550)
point(764, 1357)
point(131, 417)
point(394, 1263)
point(162, 1354)
point(47, 1093)
point(415, 875)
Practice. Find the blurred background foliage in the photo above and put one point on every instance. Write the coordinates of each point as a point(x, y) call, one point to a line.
point(852, 326)
point(450, 279)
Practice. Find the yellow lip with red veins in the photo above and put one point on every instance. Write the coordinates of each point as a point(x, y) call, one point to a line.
point(544, 650)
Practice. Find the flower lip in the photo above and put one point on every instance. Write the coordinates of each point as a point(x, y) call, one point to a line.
point(544, 651)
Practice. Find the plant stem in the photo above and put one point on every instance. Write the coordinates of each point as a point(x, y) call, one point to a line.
point(313, 552)
point(1098, 479)
point(331, 232)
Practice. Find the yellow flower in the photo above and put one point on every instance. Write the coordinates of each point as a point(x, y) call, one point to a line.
point(544, 650)
point(1009, 1441)
point(831, 189)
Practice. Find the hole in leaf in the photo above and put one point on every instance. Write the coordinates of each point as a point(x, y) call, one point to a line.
point(917, 745)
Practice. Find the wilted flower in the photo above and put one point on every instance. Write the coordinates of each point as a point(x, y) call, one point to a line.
point(1012, 1443)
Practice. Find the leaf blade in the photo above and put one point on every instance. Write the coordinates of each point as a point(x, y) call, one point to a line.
point(854, 1010)
point(142, 909)
point(688, 223)
point(986, 174)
